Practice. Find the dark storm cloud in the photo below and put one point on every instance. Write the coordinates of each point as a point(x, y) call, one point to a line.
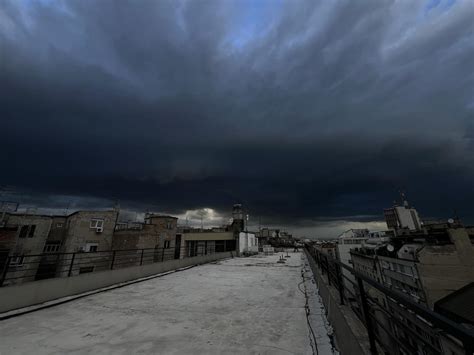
point(296, 108)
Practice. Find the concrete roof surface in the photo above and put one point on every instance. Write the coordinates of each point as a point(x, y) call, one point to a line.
point(236, 306)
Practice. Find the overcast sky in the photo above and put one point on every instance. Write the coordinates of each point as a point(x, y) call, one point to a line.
point(307, 112)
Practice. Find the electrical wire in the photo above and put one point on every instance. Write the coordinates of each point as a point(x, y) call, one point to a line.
point(307, 311)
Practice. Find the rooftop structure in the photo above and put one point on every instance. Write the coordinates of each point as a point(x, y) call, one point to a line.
point(402, 217)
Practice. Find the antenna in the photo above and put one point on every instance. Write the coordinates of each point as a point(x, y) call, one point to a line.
point(66, 211)
point(403, 198)
point(456, 216)
point(117, 205)
point(201, 214)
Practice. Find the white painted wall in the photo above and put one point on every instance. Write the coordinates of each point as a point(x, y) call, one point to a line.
point(408, 218)
point(247, 242)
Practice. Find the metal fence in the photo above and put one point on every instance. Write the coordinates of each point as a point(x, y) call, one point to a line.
point(375, 305)
point(27, 268)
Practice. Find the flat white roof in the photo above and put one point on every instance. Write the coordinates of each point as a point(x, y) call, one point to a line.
point(241, 305)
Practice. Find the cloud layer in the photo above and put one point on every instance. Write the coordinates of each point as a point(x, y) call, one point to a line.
point(298, 109)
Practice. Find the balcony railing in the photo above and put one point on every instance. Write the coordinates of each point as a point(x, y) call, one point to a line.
point(363, 294)
point(27, 268)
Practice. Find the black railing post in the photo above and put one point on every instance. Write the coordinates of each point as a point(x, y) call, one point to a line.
point(71, 265)
point(5, 271)
point(321, 263)
point(340, 283)
point(162, 254)
point(113, 260)
point(368, 321)
point(327, 270)
point(141, 257)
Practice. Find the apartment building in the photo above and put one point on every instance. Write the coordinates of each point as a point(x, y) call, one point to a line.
point(350, 239)
point(425, 265)
point(157, 236)
point(364, 261)
point(30, 243)
point(23, 235)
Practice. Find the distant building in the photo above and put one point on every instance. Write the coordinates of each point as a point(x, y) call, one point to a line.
point(80, 232)
point(402, 217)
point(364, 261)
point(352, 238)
point(158, 235)
point(90, 231)
point(427, 266)
point(198, 241)
point(265, 235)
point(327, 248)
point(30, 243)
point(348, 240)
point(23, 235)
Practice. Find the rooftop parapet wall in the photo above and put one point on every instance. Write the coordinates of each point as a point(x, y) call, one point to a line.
point(37, 292)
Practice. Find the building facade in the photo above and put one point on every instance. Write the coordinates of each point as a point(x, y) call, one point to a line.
point(157, 236)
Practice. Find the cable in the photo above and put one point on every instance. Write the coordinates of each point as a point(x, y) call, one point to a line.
point(307, 311)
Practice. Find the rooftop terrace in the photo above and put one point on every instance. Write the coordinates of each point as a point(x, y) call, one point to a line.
point(244, 305)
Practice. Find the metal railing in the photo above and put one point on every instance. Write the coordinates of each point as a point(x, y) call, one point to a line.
point(376, 306)
point(27, 268)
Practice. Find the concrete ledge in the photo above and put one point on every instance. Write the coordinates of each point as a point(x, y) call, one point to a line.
point(351, 335)
point(36, 292)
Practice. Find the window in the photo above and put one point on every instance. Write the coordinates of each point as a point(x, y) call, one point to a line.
point(16, 260)
point(220, 246)
point(52, 247)
point(97, 223)
point(32, 231)
point(91, 247)
point(169, 225)
point(23, 231)
point(167, 244)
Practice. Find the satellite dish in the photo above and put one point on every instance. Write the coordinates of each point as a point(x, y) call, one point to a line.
point(390, 247)
point(450, 221)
